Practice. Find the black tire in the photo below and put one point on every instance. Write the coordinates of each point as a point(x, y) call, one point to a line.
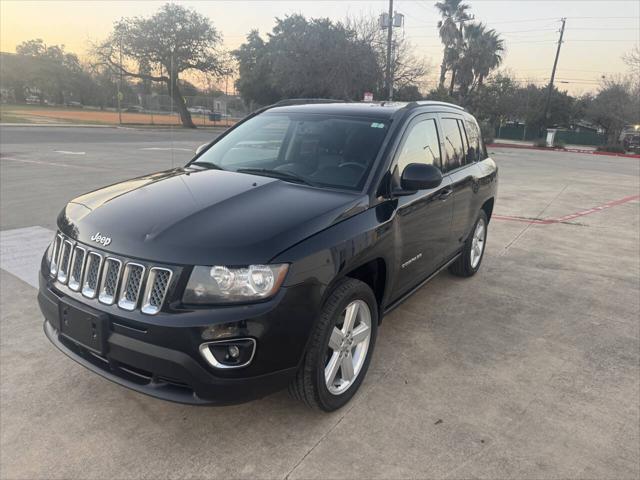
point(309, 384)
point(462, 267)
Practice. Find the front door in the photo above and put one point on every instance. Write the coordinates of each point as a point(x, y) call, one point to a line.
point(424, 218)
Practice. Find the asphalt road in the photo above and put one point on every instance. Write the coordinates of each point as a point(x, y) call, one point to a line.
point(530, 369)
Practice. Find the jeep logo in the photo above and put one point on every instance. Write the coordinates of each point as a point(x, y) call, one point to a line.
point(104, 241)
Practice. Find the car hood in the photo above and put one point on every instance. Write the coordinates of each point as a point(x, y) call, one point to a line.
point(204, 217)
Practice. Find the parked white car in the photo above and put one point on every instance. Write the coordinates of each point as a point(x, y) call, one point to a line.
point(199, 109)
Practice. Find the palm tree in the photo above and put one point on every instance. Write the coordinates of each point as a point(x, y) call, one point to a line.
point(453, 12)
point(483, 50)
point(488, 49)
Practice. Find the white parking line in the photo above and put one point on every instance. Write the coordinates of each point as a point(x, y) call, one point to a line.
point(21, 250)
point(67, 152)
point(168, 148)
point(22, 160)
point(53, 164)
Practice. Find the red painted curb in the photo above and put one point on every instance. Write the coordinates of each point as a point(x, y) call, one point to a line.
point(570, 150)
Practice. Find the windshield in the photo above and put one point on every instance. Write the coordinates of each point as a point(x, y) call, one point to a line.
point(315, 149)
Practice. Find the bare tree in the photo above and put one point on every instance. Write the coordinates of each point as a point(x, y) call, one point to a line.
point(632, 59)
point(162, 47)
point(408, 69)
point(616, 104)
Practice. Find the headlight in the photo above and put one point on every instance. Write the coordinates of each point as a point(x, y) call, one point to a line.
point(220, 284)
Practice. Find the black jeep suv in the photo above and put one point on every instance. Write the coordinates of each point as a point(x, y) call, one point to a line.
point(269, 259)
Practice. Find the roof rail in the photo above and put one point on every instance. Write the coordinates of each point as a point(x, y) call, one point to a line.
point(305, 101)
point(434, 102)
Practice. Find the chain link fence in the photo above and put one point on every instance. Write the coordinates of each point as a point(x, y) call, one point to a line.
point(210, 111)
point(135, 109)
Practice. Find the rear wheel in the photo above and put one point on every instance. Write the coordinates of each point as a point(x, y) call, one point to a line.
point(341, 346)
point(471, 257)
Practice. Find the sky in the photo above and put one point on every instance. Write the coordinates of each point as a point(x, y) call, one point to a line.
point(598, 32)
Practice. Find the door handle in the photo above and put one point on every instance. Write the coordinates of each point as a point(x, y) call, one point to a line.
point(444, 194)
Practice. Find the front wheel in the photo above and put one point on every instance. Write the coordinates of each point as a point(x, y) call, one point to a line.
point(469, 261)
point(340, 350)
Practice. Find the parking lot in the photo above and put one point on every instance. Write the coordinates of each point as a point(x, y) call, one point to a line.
point(530, 369)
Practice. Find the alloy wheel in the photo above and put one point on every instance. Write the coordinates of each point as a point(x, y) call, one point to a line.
point(477, 242)
point(348, 346)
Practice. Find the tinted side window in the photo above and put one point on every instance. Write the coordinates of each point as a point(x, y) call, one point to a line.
point(465, 144)
point(474, 152)
point(421, 145)
point(453, 143)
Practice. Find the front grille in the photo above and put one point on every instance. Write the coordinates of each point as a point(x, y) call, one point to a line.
point(131, 283)
point(107, 277)
point(65, 259)
point(110, 277)
point(77, 265)
point(157, 286)
point(90, 284)
point(55, 255)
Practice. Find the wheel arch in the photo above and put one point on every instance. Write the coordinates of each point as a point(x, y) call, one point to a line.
point(487, 206)
point(374, 274)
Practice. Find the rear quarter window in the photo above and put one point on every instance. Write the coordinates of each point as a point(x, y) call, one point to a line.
point(475, 140)
point(475, 150)
point(453, 144)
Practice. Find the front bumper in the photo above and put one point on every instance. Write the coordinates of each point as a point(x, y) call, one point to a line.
point(159, 355)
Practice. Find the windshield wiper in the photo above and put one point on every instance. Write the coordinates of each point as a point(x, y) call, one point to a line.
point(208, 165)
point(279, 174)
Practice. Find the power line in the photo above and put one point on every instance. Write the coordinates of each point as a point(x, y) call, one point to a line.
point(604, 40)
point(571, 40)
point(607, 28)
point(528, 20)
point(601, 18)
point(531, 30)
point(420, 4)
point(566, 70)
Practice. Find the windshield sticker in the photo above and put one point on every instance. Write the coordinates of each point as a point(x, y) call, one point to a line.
point(377, 125)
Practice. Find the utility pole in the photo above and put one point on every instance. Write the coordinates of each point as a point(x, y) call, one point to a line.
point(389, 45)
point(553, 72)
point(389, 21)
point(120, 95)
point(226, 98)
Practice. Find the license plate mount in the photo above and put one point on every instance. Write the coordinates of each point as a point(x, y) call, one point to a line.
point(84, 326)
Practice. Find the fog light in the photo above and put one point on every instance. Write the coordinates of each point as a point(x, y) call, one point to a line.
point(231, 353)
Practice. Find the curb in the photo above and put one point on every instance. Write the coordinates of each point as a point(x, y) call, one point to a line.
point(126, 126)
point(562, 150)
point(83, 125)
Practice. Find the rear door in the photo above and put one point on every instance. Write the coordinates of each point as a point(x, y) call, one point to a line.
point(461, 168)
point(424, 218)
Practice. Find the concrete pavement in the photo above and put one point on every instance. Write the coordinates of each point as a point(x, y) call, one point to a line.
point(530, 369)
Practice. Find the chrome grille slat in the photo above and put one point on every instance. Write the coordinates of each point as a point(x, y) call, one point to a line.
point(131, 284)
point(55, 254)
point(77, 267)
point(109, 281)
point(156, 290)
point(91, 275)
point(65, 260)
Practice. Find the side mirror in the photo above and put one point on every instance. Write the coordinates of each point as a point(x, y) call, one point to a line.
point(201, 148)
point(419, 176)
